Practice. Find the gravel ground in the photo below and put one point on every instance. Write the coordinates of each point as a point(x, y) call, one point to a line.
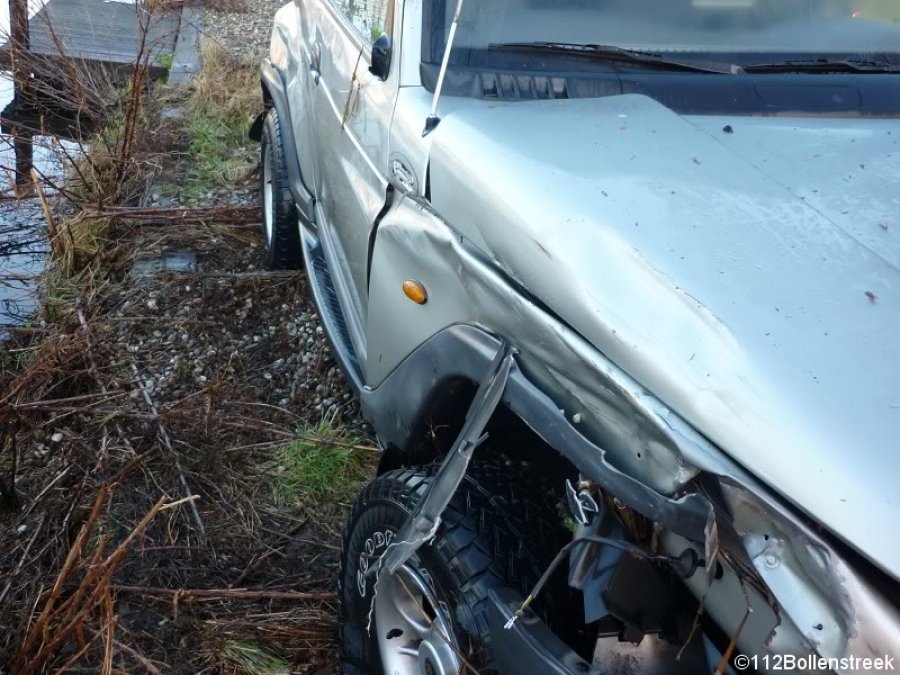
point(241, 32)
point(274, 326)
point(203, 314)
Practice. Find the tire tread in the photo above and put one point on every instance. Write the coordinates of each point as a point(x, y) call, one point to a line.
point(483, 539)
point(283, 251)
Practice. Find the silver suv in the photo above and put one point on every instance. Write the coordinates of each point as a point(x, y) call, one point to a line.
point(618, 285)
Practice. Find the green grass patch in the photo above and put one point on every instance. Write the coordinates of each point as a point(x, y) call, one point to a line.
point(322, 466)
point(254, 660)
point(165, 60)
point(221, 152)
point(224, 99)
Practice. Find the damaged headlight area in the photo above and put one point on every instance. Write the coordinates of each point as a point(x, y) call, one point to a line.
point(774, 588)
point(824, 605)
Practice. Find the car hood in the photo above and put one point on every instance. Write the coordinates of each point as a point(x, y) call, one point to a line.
point(744, 270)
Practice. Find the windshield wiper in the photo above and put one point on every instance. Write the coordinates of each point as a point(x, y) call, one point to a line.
point(616, 54)
point(824, 66)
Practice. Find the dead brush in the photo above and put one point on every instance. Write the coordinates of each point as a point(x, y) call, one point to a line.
point(226, 84)
point(104, 167)
point(81, 592)
point(243, 581)
point(220, 108)
point(111, 564)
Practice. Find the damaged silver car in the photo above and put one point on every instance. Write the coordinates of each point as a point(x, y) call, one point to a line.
point(617, 283)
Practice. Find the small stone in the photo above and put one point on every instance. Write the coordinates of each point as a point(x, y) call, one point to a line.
point(57, 437)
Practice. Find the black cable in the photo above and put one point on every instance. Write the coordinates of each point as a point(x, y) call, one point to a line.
point(565, 550)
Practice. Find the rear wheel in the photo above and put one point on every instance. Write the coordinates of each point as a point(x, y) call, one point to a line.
point(431, 616)
point(279, 216)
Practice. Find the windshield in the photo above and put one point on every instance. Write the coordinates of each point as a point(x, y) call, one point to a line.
point(742, 31)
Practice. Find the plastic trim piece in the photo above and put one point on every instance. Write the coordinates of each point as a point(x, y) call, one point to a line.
point(423, 523)
point(529, 646)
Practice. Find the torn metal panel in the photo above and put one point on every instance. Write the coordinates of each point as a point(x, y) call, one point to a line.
point(425, 520)
point(806, 598)
point(830, 603)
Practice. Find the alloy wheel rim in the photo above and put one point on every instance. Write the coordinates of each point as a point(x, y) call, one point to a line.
point(414, 628)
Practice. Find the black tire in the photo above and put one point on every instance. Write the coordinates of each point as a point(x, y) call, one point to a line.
point(496, 532)
point(280, 227)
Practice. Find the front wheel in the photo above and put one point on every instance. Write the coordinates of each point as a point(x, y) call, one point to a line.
point(431, 616)
point(279, 216)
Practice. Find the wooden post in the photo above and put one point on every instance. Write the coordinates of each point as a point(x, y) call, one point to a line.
point(19, 44)
point(18, 24)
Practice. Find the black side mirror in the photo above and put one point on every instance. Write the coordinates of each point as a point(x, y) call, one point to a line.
point(381, 57)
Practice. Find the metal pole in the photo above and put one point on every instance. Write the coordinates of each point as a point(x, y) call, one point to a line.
point(432, 120)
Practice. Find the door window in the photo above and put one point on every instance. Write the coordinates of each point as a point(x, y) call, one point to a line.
point(370, 17)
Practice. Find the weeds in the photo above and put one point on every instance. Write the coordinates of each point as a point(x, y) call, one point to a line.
point(145, 526)
point(220, 153)
point(323, 466)
point(254, 660)
point(224, 97)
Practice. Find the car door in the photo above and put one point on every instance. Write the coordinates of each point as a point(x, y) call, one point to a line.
point(353, 110)
point(301, 64)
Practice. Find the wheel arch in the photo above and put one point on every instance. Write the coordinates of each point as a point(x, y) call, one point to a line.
point(274, 95)
point(399, 409)
point(418, 417)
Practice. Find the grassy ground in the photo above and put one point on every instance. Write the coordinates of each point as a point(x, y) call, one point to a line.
point(177, 447)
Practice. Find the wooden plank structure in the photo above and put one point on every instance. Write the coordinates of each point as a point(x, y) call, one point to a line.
point(104, 31)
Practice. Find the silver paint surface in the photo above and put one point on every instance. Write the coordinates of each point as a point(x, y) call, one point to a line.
point(707, 291)
point(749, 279)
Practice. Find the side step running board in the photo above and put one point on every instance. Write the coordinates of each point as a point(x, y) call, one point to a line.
point(333, 322)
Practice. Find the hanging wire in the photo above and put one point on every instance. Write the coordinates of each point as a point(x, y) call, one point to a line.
point(589, 539)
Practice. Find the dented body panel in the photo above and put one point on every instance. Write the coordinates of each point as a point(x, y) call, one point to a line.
point(729, 275)
point(641, 436)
